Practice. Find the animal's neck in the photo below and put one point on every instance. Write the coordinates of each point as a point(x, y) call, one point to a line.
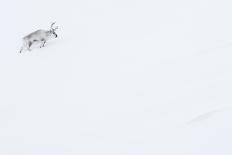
point(48, 33)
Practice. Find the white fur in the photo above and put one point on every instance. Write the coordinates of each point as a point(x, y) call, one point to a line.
point(41, 36)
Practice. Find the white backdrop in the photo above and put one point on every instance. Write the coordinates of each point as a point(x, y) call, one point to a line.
point(125, 77)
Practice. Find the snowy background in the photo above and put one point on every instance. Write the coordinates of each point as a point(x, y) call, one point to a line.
point(125, 77)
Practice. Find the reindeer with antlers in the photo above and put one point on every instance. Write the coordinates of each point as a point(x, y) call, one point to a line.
point(41, 36)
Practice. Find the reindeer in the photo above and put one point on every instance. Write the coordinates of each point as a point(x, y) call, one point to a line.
point(41, 36)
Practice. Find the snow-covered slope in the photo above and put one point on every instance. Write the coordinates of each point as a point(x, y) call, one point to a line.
point(124, 77)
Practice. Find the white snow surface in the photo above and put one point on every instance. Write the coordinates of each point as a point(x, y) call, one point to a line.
point(124, 77)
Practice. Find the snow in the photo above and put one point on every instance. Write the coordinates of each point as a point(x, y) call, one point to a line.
point(124, 77)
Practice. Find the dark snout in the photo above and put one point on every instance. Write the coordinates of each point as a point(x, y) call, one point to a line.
point(54, 34)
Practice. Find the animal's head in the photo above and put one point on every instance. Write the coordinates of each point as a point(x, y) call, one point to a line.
point(53, 30)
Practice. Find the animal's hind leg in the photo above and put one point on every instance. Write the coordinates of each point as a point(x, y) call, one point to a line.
point(29, 45)
point(21, 49)
point(23, 46)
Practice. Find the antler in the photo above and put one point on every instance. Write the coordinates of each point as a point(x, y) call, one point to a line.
point(52, 25)
point(55, 27)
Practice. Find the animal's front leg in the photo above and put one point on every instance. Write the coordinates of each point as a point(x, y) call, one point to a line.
point(43, 43)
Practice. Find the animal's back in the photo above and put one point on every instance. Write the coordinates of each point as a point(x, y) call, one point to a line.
point(33, 34)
